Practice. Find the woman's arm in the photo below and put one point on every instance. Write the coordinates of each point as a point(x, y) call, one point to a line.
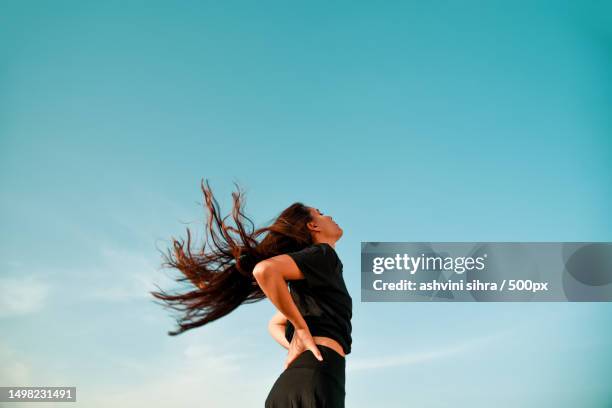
point(276, 327)
point(271, 274)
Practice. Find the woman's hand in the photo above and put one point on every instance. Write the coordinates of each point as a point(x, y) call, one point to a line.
point(302, 340)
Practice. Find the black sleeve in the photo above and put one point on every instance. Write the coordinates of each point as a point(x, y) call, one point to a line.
point(314, 262)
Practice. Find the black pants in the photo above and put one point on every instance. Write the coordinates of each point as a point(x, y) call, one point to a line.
point(310, 383)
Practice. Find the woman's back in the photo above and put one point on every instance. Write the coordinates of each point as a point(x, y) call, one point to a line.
point(322, 297)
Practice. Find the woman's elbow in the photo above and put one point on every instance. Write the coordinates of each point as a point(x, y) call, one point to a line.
point(261, 271)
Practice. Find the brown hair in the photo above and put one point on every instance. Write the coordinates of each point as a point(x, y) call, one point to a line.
point(222, 277)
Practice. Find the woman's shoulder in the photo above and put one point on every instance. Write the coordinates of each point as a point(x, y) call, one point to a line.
point(316, 254)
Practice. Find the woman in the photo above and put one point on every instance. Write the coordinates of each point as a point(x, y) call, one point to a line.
point(313, 320)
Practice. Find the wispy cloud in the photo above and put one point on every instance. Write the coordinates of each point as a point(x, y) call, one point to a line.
point(404, 359)
point(14, 371)
point(22, 295)
point(204, 375)
point(124, 275)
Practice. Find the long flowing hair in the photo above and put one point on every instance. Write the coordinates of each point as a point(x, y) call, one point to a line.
point(220, 275)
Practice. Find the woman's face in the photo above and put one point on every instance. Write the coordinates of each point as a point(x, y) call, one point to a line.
point(324, 225)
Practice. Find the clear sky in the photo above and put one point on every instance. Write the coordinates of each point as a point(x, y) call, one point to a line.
point(407, 121)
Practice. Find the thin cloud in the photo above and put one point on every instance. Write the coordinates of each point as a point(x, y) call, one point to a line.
point(125, 275)
point(14, 371)
point(394, 360)
point(22, 296)
point(203, 375)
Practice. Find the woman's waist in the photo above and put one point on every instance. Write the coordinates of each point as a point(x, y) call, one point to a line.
point(331, 343)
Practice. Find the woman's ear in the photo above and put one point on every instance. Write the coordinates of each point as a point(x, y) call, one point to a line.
point(312, 226)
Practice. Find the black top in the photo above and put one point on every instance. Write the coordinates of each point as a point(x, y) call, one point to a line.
point(322, 297)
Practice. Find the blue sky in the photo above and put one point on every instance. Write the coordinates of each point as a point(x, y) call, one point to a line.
point(437, 121)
